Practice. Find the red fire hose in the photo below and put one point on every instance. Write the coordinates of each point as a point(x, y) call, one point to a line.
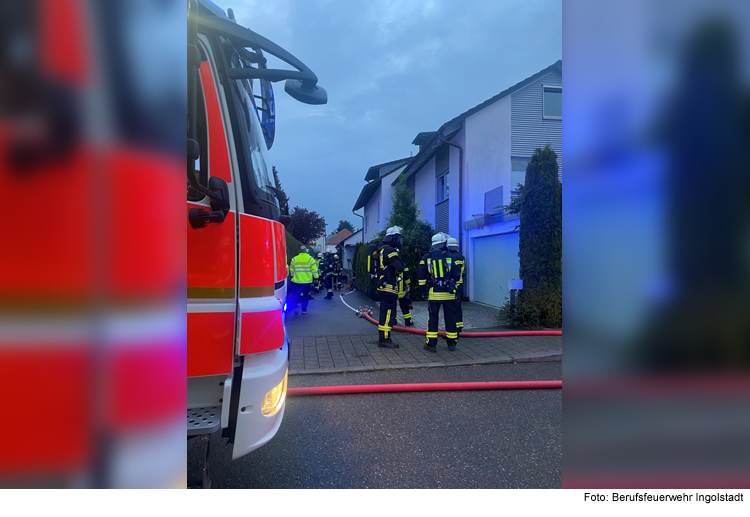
point(429, 386)
point(367, 316)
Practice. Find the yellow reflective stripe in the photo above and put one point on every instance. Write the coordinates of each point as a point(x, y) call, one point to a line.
point(440, 263)
point(421, 262)
point(388, 317)
point(212, 292)
point(460, 325)
point(383, 328)
point(432, 334)
point(395, 253)
point(408, 315)
point(452, 335)
point(423, 282)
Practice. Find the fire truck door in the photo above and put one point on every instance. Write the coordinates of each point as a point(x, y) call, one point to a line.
point(211, 251)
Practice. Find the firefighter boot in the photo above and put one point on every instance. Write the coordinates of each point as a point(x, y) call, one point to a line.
point(384, 342)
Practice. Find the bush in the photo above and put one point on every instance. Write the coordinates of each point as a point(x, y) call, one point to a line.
point(292, 247)
point(521, 315)
point(540, 240)
point(365, 284)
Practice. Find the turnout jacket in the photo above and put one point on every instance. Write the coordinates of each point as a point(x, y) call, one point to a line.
point(404, 283)
point(326, 267)
point(390, 268)
point(303, 268)
point(438, 292)
point(459, 260)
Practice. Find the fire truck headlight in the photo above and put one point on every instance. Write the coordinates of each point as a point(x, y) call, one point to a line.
point(274, 399)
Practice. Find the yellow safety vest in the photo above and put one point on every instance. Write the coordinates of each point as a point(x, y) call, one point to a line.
point(303, 268)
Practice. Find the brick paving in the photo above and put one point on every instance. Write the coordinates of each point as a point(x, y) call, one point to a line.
point(329, 354)
point(332, 339)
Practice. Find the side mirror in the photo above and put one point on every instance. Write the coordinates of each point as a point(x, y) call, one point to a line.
point(200, 217)
point(306, 94)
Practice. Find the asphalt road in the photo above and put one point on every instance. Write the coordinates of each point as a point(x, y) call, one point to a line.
point(331, 317)
point(472, 439)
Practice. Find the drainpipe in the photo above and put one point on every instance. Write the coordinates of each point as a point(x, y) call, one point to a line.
point(363, 225)
point(460, 190)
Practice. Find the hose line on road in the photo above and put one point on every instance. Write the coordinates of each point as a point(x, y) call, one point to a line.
point(342, 301)
point(364, 313)
point(429, 386)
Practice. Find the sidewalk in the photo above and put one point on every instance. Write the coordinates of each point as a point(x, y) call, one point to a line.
point(315, 348)
point(330, 354)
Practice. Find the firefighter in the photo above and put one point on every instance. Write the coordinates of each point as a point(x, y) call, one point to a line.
point(303, 269)
point(404, 300)
point(317, 283)
point(390, 271)
point(328, 274)
point(338, 272)
point(437, 282)
point(458, 261)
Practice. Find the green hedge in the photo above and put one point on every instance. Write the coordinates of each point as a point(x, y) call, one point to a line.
point(364, 283)
point(540, 242)
point(292, 247)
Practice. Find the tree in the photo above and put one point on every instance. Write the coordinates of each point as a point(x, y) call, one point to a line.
point(539, 206)
point(344, 224)
point(417, 234)
point(279, 193)
point(306, 226)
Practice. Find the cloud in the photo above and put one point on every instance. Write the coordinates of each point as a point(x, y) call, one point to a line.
point(392, 68)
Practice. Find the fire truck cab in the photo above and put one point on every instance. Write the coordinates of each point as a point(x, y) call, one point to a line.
point(237, 349)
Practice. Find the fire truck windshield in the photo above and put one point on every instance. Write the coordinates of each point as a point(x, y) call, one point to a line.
point(255, 138)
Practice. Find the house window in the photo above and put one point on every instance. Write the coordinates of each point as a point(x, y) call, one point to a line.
point(441, 187)
point(517, 174)
point(552, 100)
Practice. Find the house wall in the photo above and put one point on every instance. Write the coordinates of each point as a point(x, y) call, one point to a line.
point(487, 160)
point(386, 200)
point(424, 191)
point(384, 195)
point(529, 129)
point(372, 227)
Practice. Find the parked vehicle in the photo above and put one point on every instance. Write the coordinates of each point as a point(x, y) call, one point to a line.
point(237, 350)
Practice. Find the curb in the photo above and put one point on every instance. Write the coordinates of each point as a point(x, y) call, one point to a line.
point(534, 358)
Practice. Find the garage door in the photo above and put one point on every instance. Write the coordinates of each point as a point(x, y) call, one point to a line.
point(495, 262)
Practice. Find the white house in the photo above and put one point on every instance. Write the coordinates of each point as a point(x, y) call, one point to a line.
point(376, 196)
point(349, 243)
point(470, 166)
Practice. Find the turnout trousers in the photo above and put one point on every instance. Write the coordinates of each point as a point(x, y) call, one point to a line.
point(405, 304)
point(299, 295)
point(450, 322)
point(459, 312)
point(329, 285)
point(388, 303)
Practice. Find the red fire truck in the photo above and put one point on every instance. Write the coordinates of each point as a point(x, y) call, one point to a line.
point(237, 351)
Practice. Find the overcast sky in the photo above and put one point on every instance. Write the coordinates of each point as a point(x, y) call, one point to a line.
point(392, 68)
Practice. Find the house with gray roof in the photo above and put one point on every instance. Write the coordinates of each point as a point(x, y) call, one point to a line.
point(467, 170)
